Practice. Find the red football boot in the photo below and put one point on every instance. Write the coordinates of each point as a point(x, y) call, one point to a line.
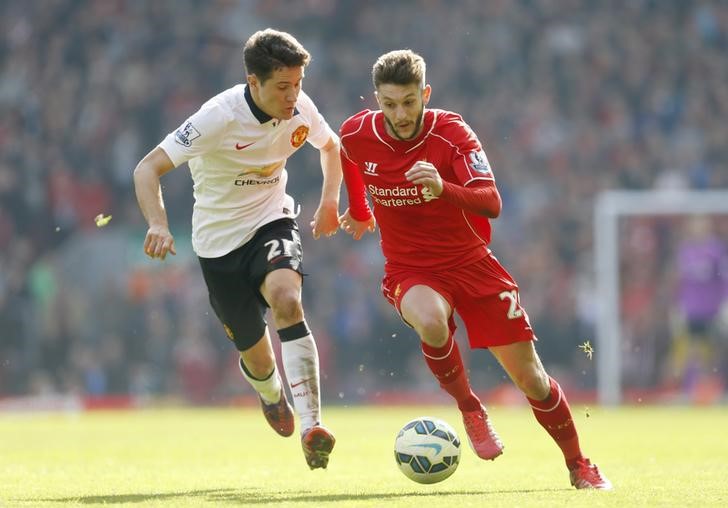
point(317, 443)
point(586, 475)
point(483, 440)
point(279, 415)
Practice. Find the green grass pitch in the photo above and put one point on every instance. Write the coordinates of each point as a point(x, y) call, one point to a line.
point(668, 456)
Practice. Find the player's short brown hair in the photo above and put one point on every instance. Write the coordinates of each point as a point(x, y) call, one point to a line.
point(400, 67)
point(268, 50)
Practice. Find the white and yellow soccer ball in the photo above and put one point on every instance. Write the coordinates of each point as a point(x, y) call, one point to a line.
point(427, 450)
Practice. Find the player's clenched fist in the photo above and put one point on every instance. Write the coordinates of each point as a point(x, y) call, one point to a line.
point(158, 242)
point(424, 173)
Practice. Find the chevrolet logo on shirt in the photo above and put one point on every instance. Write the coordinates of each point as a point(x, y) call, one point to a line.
point(242, 182)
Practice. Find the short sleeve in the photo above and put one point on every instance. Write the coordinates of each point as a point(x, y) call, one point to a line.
point(470, 162)
point(198, 135)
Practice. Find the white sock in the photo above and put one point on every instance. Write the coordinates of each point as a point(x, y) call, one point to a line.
point(268, 388)
point(300, 362)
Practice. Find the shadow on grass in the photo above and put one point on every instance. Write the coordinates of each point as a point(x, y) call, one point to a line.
point(254, 496)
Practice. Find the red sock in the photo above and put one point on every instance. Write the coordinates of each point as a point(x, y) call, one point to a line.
point(447, 365)
point(554, 415)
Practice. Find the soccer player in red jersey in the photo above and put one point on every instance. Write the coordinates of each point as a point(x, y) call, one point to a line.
point(433, 193)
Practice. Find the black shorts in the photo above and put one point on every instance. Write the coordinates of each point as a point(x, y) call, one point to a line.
point(233, 280)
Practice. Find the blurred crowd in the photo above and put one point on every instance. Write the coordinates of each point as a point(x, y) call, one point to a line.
point(569, 98)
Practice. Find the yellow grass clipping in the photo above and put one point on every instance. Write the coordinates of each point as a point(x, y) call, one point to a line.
point(587, 348)
point(102, 220)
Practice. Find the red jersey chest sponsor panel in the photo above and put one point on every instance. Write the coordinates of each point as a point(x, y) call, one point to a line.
point(419, 230)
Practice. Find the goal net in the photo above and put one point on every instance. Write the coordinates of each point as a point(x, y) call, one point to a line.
point(645, 243)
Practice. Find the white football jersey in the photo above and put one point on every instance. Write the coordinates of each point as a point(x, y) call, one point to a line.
point(237, 156)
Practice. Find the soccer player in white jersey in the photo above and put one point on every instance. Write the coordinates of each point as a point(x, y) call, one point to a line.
point(244, 230)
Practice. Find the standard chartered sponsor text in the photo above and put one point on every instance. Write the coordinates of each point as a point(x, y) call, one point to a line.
point(395, 196)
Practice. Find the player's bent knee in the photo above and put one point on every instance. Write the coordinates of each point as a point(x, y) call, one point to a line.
point(433, 333)
point(435, 336)
point(258, 366)
point(286, 303)
point(433, 341)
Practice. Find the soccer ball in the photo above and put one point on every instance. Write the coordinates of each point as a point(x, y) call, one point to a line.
point(427, 450)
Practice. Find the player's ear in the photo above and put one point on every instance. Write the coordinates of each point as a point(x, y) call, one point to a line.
point(376, 96)
point(252, 80)
point(426, 94)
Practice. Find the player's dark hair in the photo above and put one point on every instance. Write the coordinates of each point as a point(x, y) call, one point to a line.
point(400, 67)
point(268, 50)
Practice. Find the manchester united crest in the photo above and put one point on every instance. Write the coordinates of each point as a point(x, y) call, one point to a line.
point(299, 136)
point(229, 332)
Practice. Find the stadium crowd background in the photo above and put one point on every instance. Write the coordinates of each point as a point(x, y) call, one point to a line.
point(569, 98)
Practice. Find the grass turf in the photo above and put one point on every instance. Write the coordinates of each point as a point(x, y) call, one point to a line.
point(229, 457)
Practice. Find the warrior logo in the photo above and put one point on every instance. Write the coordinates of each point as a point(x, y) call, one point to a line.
point(370, 168)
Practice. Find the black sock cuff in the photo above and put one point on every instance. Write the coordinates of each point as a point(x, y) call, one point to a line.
point(294, 332)
point(247, 372)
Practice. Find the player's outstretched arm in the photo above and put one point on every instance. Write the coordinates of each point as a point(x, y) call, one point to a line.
point(326, 219)
point(159, 240)
point(356, 228)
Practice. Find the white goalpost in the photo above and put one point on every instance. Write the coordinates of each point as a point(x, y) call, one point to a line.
point(609, 208)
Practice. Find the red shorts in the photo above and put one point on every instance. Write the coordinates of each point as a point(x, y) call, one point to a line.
point(484, 295)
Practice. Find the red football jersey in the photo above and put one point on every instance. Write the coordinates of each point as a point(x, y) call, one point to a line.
point(418, 230)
